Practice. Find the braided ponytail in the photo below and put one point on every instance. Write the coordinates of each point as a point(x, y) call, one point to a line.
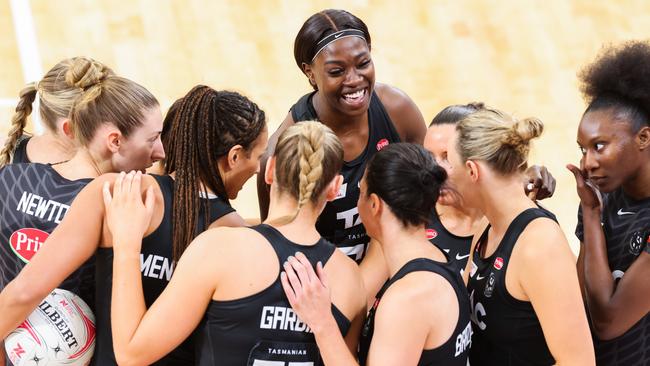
point(18, 122)
point(56, 94)
point(202, 127)
point(320, 157)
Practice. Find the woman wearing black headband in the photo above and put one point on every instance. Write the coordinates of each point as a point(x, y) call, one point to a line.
point(333, 50)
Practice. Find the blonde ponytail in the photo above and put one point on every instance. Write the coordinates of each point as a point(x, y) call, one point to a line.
point(18, 122)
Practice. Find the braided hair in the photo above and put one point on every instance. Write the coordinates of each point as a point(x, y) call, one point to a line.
point(204, 126)
point(308, 156)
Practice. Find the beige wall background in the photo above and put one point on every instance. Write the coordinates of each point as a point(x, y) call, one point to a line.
point(519, 55)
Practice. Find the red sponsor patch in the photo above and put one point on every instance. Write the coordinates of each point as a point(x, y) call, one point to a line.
point(26, 242)
point(382, 144)
point(431, 233)
point(498, 263)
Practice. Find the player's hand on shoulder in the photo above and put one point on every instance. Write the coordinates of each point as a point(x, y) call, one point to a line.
point(307, 290)
point(128, 214)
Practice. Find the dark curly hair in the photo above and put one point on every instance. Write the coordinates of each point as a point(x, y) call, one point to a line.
point(619, 79)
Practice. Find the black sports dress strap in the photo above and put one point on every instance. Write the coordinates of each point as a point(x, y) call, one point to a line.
point(455, 350)
point(262, 328)
point(456, 247)
point(506, 330)
point(339, 222)
point(285, 248)
point(20, 152)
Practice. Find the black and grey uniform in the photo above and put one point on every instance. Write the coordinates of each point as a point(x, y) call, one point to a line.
point(506, 330)
point(340, 222)
point(156, 266)
point(456, 247)
point(455, 350)
point(20, 152)
point(626, 225)
point(262, 329)
point(34, 200)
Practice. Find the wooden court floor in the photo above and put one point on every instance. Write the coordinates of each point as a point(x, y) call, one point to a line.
point(519, 56)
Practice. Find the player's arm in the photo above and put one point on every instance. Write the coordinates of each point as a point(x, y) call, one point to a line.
point(262, 187)
point(232, 219)
point(141, 337)
point(308, 293)
point(553, 290)
point(613, 308)
point(406, 116)
point(66, 249)
point(374, 271)
point(349, 294)
point(539, 183)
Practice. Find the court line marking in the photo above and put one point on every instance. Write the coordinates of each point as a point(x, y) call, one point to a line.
point(30, 58)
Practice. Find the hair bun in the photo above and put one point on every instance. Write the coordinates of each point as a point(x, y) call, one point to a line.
point(522, 131)
point(86, 72)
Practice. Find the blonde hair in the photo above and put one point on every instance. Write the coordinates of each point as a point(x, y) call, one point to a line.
point(106, 98)
point(56, 96)
point(308, 156)
point(498, 139)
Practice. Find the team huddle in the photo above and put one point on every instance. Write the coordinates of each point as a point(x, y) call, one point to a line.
point(380, 241)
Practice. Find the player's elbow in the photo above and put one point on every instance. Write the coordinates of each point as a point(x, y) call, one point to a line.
point(17, 295)
point(126, 358)
point(605, 328)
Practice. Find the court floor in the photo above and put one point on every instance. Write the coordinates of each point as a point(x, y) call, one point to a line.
point(520, 56)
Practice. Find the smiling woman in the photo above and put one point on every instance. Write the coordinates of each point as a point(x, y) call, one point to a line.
point(613, 183)
point(332, 49)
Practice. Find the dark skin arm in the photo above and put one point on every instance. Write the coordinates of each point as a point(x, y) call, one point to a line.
point(614, 308)
point(401, 109)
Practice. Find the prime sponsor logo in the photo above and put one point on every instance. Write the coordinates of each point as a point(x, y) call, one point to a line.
point(26, 242)
point(431, 233)
point(498, 263)
point(382, 144)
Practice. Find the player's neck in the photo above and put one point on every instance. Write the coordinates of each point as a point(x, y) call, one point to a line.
point(82, 165)
point(402, 244)
point(502, 202)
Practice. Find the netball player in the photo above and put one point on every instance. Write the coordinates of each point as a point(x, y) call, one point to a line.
point(55, 97)
point(332, 49)
point(117, 125)
point(614, 261)
point(524, 289)
point(232, 132)
point(452, 224)
point(405, 325)
point(230, 277)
